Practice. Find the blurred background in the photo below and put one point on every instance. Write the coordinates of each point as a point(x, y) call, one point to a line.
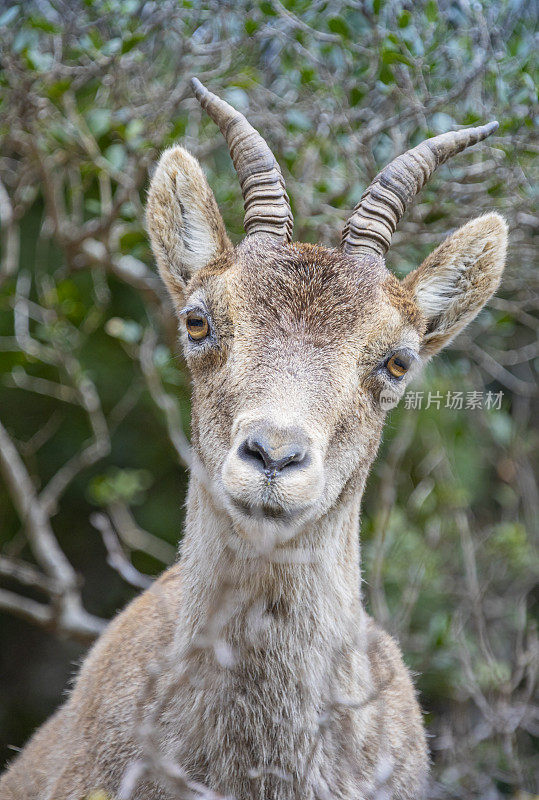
point(94, 406)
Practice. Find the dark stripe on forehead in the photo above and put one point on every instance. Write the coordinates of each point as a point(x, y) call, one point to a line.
point(317, 268)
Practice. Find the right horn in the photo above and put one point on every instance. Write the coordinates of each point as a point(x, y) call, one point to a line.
point(267, 208)
point(376, 216)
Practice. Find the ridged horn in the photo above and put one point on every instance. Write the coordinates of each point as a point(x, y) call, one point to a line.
point(267, 207)
point(376, 216)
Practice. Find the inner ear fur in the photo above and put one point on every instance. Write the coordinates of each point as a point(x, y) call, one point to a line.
point(456, 280)
point(185, 226)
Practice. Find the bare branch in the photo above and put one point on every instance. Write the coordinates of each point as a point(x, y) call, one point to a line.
point(26, 609)
point(26, 574)
point(20, 379)
point(89, 455)
point(164, 401)
point(67, 611)
point(497, 371)
point(136, 538)
point(10, 236)
point(116, 557)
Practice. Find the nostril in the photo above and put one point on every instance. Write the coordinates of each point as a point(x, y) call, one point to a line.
point(293, 457)
point(259, 452)
point(255, 451)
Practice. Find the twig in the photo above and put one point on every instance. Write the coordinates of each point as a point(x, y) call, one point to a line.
point(136, 538)
point(10, 236)
point(116, 557)
point(164, 401)
point(67, 611)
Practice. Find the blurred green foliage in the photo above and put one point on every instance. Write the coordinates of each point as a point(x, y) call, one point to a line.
point(90, 92)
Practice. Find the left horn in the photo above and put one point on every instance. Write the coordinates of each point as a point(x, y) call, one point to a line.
point(376, 216)
point(267, 208)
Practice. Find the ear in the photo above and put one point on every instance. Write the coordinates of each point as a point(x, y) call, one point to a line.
point(453, 284)
point(185, 226)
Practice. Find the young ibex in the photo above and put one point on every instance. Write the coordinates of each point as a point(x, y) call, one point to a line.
point(251, 667)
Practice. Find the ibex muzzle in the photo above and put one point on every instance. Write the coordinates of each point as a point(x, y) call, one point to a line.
point(273, 472)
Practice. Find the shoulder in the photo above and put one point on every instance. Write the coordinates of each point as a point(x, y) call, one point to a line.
point(385, 657)
point(391, 677)
point(143, 628)
point(399, 707)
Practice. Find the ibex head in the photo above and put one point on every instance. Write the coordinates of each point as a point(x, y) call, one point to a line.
point(291, 345)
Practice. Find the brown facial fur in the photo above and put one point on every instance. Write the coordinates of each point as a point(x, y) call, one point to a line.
point(301, 333)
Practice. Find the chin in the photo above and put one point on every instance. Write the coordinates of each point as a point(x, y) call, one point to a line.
point(265, 526)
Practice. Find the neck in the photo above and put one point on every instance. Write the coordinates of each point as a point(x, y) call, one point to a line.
point(313, 577)
point(269, 641)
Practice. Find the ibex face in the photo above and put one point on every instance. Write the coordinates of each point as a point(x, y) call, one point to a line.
point(287, 381)
point(294, 348)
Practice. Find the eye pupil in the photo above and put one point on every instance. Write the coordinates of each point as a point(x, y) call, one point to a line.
point(397, 366)
point(197, 326)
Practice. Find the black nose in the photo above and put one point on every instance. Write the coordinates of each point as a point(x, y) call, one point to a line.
point(284, 453)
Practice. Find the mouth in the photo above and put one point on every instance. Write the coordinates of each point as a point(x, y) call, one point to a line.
point(264, 512)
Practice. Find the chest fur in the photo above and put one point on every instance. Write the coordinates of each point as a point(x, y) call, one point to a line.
point(281, 720)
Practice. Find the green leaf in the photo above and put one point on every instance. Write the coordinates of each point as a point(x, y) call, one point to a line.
point(356, 95)
point(385, 75)
point(267, 9)
point(42, 24)
point(391, 56)
point(134, 129)
point(308, 75)
point(403, 20)
point(92, 206)
point(58, 88)
point(116, 155)
point(131, 239)
point(128, 485)
point(251, 26)
point(431, 10)
point(131, 41)
point(339, 26)
point(95, 38)
point(125, 329)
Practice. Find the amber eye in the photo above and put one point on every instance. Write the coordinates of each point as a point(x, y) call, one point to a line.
point(397, 365)
point(197, 326)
